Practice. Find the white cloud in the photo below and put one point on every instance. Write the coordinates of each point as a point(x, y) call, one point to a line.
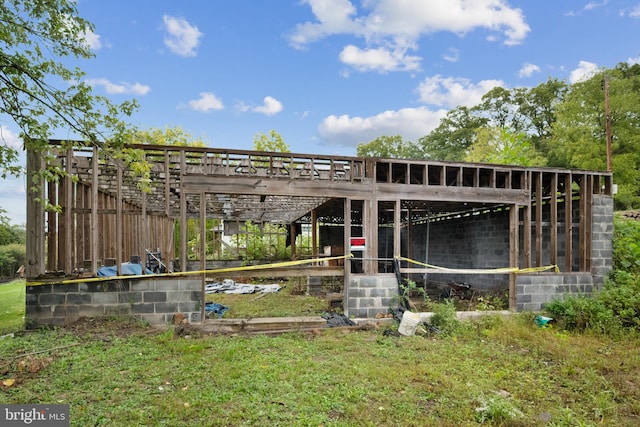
point(270, 107)
point(380, 59)
point(635, 12)
point(452, 55)
point(182, 38)
point(93, 40)
point(527, 70)
point(452, 92)
point(9, 138)
point(633, 61)
point(390, 28)
point(119, 88)
point(411, 123)
point(584, 71)
point(594, 5)
point(207, 101)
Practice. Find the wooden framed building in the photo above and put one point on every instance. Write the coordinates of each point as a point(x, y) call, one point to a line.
point(457, 216)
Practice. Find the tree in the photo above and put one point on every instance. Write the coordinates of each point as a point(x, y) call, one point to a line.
point(453, 136)
point(273, 142)
point(168, 136)
point(10, 233)
point(390, 147)
point(580, 130)
point(501, 146)
point(39, 93)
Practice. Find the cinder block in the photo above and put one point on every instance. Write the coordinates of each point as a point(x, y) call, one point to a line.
point(51, 299)
point(190, 285)
point(154, 319)
point(143, 285)
point(39, 289)
point(166, 307)
point(78, 299)
point(72, 287)
point(166, 285)
point(154, 296)
point(129, 297)
point(104, 298)
point(143, 308)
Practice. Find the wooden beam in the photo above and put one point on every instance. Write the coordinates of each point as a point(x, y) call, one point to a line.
point(119, 222)
point(94, 211)
point(553, 244)
point(203, 231)
point(347, 261)
point(35, 216)
point(568, 223)
point(539, 202)
point(68, 214)
point(183, 217)
point(513, 254)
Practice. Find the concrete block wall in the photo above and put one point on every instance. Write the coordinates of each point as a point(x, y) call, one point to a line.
point(369, 295)
point(533, 291)
point(155, 300)
point(601, 238)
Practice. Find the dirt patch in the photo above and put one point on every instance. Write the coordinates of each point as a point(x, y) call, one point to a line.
point(105, 327)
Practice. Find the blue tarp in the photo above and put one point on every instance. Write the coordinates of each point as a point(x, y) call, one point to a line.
point(126, 269)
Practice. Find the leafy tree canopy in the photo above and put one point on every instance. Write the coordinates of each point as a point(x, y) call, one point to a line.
point(272, 142)
point(167, 136)
point(393, 147)
point(38, 92)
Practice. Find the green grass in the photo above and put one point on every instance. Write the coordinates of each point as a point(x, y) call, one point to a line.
point(12, 300)
point(285, 303)
point(495, 372)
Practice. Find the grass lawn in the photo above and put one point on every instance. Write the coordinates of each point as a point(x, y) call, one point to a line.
point(494, 372)
point(12, 302)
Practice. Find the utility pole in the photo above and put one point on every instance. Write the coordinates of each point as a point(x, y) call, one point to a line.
point(607, 115)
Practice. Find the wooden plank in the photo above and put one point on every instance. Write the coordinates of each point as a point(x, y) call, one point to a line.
point(35, 216)
point(347, 261)
point(203, 231)
point(526, 238)
point(52, 224)
point(513, 254)
point(568, 223)
point(119, 222)
point(553, 243)
point(539, 202)
point(68, 214)
point(94, 212)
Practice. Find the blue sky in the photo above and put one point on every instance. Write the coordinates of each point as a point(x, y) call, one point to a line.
point(328, 74)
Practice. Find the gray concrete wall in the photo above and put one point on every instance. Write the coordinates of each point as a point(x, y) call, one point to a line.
point(533, 291)
point(155, 300)
point(601, 238)
point(369, 295)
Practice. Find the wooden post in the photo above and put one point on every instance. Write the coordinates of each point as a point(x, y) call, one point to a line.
point(347, 261)
point(513, 254)
point(68, 215)
point(183, 217)
point(553, 256)
point(94, 211)
point(568, 223)
point(119, 220)
point(539, 202)
point(35, 216)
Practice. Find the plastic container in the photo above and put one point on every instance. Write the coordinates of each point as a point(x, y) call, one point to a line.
point(409, 323)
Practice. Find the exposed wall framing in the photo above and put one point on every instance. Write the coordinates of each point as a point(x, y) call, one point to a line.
point(105, 216)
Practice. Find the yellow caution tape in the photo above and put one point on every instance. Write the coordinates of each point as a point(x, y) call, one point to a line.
point(505, 270)
point(185, 273)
